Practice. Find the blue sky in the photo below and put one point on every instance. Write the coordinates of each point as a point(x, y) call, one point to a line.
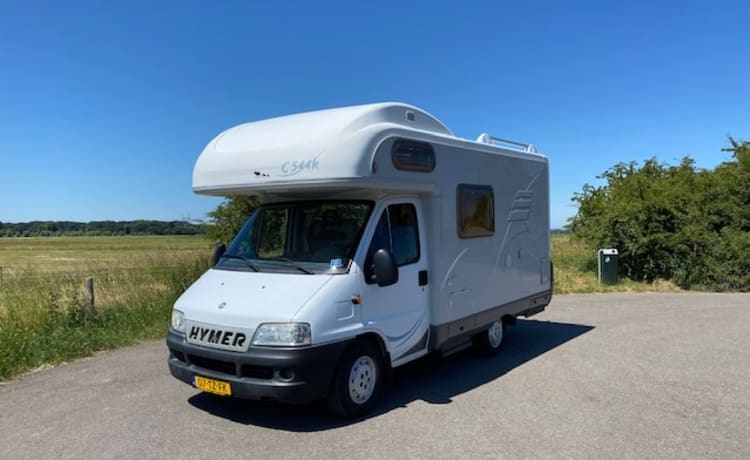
point(104, 106)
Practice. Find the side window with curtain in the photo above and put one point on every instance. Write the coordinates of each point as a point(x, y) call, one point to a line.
point(397, 232)
point(475, 211)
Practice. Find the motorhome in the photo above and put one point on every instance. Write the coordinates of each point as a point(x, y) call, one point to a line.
point(380, 237)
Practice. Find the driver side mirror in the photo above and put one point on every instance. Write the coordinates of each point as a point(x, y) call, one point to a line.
point(386, 270)
point(219, 251)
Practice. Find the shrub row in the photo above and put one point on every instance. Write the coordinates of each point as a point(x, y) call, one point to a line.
point(680, 223)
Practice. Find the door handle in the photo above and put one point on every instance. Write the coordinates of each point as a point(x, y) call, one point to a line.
point(423, 277)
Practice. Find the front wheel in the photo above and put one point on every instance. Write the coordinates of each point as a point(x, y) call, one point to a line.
point(358, 381)
point(490, 341)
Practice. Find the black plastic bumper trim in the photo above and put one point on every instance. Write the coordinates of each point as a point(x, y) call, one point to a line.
point(312, 367)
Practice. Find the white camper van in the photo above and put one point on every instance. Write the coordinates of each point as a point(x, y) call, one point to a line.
point(381, 237)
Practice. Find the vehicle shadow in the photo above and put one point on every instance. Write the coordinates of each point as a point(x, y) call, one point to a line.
point(431, 379)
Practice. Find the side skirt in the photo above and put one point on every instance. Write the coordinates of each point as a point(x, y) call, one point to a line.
point(417, 351)
point(452, 336)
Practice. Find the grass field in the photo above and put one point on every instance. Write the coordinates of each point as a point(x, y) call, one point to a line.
point(117, 263)
point(45, 319)
point(44, 315)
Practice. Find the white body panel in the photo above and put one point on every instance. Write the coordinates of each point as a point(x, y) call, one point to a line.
point(346, 154)
point(245, 299)
point(307, 150)
point(401, 312)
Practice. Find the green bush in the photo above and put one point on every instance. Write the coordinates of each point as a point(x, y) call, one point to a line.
point(680, 223)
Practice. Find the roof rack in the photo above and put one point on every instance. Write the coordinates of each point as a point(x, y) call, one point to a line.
point(485, 138)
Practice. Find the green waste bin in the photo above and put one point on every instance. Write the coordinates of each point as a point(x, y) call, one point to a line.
point(607, 266)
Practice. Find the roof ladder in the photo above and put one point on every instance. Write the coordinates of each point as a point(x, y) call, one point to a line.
point(485, 138)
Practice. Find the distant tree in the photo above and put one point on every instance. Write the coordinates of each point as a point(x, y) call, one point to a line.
point(227, 219)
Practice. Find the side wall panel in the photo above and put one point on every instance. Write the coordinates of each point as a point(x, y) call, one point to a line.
point(470, 275)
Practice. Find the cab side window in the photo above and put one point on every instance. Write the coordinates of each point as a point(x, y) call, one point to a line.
point(397, 232)
point(404, 233)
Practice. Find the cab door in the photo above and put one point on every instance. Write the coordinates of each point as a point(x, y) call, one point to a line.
point(400, 312)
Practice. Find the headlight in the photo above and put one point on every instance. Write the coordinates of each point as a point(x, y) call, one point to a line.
point(282, 334)
point(178, 321)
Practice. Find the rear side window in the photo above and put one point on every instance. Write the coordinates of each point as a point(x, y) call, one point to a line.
point(408, 155)
point(476, 211)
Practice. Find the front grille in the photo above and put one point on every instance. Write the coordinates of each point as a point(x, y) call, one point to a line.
point(257, 372)
point(213, 364)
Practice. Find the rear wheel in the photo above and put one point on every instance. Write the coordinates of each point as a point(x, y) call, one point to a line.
point(490, 341)
point(358, 381)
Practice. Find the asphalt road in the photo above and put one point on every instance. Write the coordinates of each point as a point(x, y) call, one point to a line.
point(595, 376)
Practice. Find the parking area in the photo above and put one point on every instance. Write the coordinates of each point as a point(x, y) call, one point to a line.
point(594, 376)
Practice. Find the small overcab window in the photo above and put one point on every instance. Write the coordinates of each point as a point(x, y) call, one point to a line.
point(408, 155)
point(476, 211)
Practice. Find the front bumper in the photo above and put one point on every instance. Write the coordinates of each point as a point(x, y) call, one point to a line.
point(261, 373)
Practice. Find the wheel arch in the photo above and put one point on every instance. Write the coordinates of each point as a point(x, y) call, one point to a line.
point(380, 342)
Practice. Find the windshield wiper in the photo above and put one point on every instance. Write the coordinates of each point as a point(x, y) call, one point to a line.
point(292, 263)
point(242, 258)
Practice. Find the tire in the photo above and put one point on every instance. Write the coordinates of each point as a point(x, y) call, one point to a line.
point(358, 381)
point(489, 342)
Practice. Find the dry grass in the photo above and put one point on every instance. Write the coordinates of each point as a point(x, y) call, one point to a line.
point(122, 267)
point(43, 313)
point(575, 270)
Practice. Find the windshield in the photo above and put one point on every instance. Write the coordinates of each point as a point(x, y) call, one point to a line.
point(302, 237)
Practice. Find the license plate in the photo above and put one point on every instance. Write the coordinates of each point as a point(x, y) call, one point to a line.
point(212, 386)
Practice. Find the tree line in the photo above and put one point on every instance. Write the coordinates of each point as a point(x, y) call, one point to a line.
point(99, 228)
point(674, 222)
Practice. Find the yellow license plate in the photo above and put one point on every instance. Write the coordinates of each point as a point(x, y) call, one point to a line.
point(212, 386)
